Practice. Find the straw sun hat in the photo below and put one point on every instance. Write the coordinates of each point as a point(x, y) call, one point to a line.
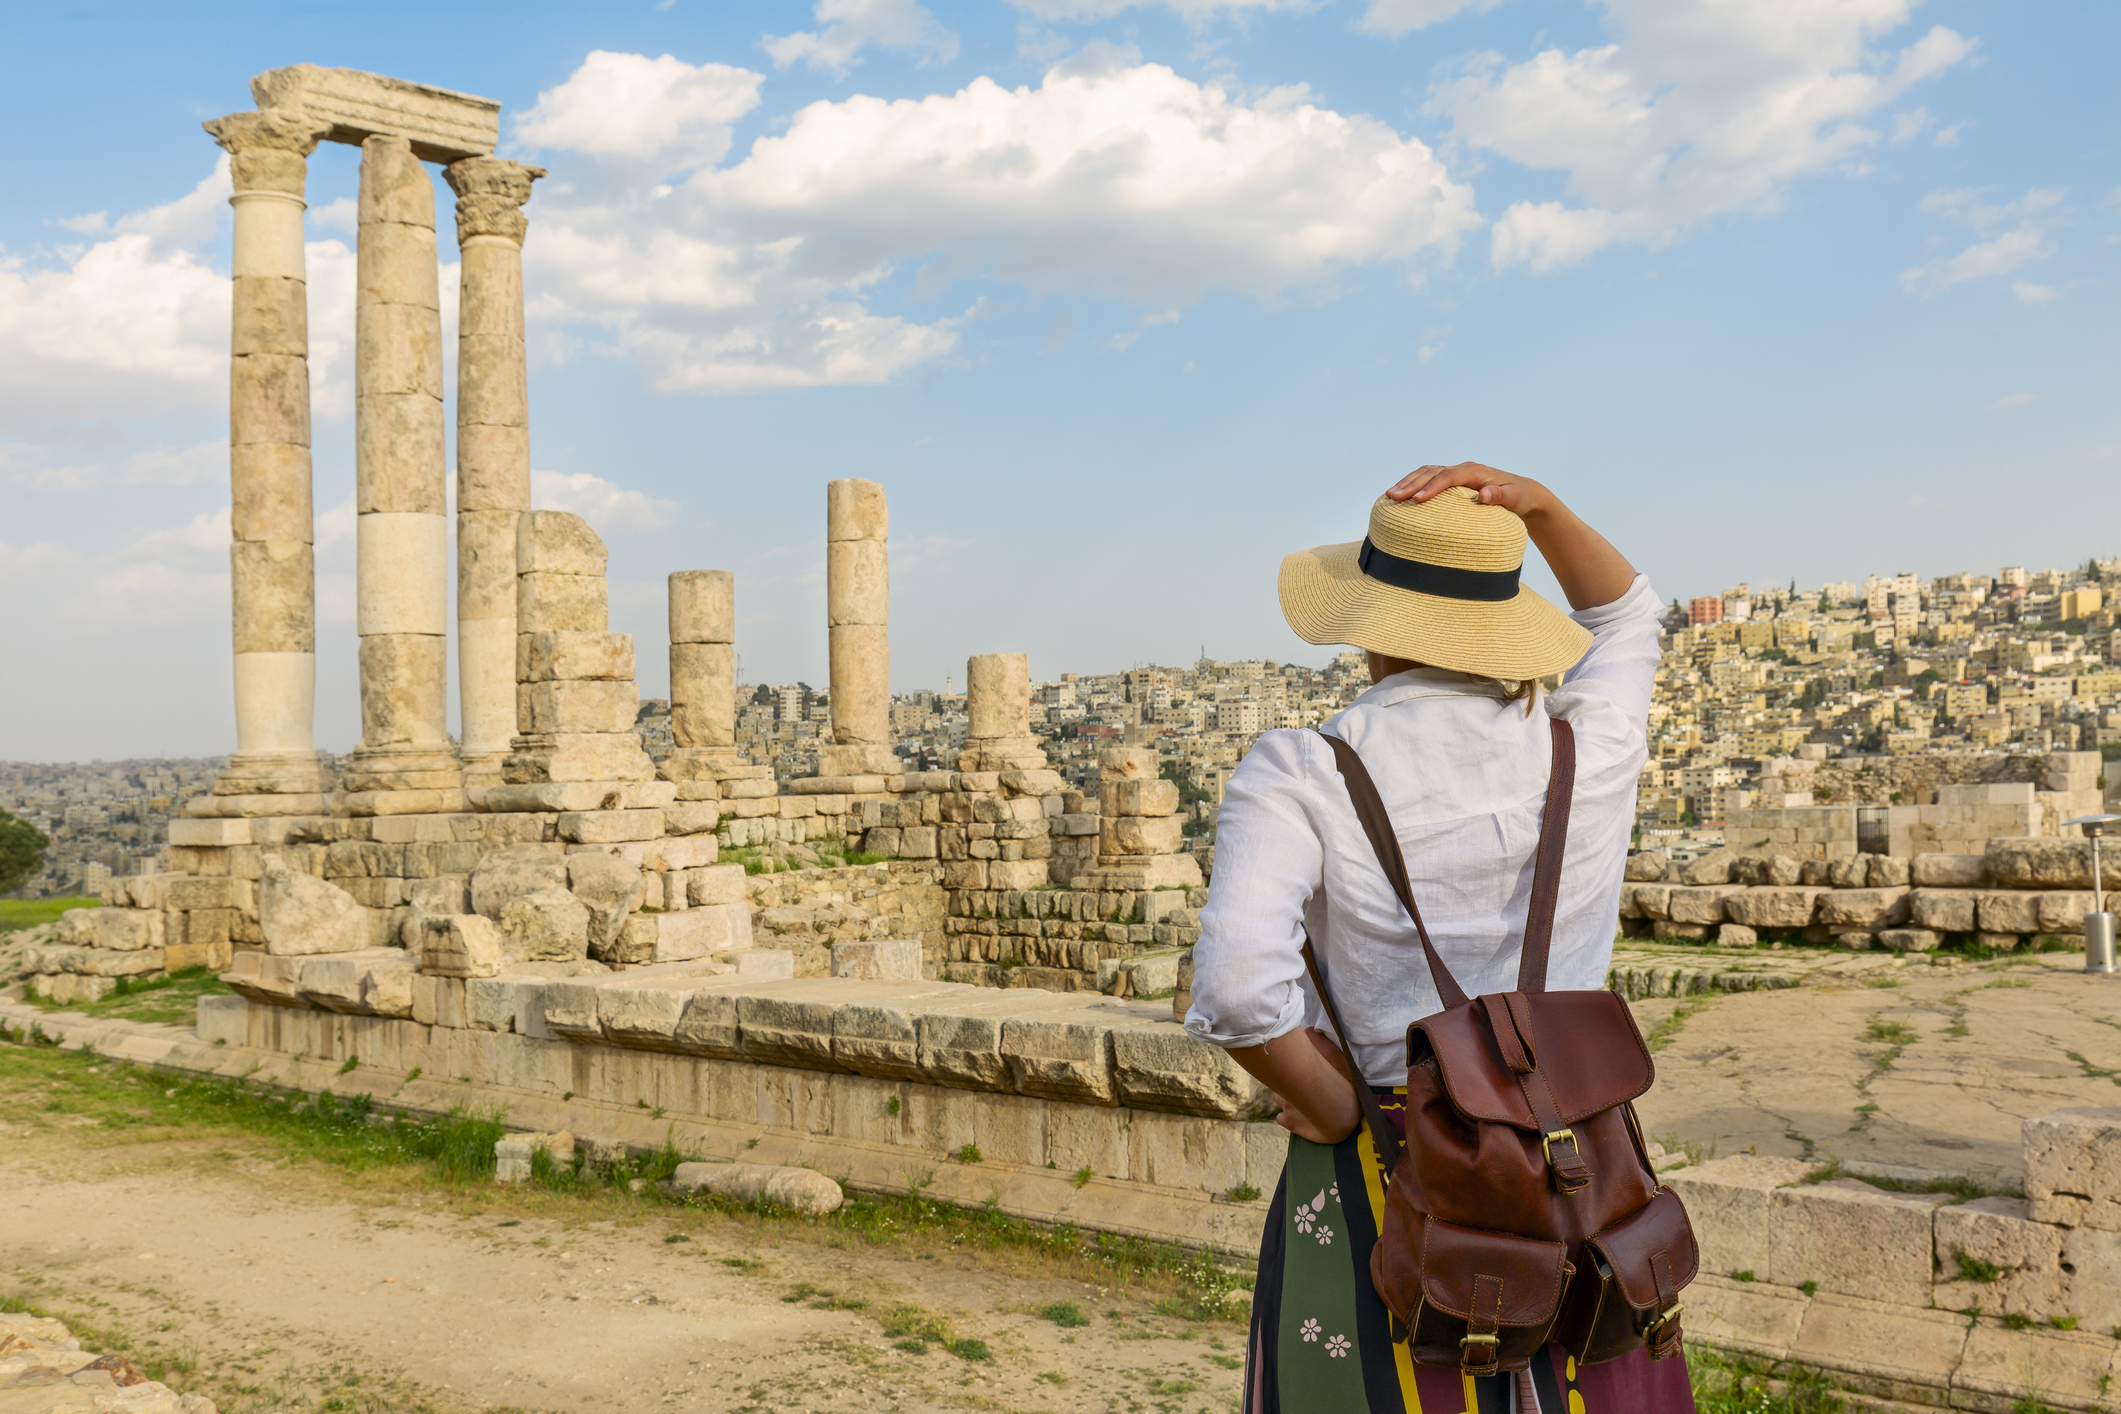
point(1434, 582)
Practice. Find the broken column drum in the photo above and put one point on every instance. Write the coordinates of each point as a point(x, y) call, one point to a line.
point(272, 573)
point(493, 451)
point(401, 524)
point(858, 612)
point(703, 662)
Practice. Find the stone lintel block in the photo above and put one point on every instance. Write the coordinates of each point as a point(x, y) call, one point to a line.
point(691, 819)
point(438, 125)
point(961, 1038)
point(1160, 1067)
point(576, 603)
point(1853, 1239)
point(1728, 1203)
point(855, 510)
point(790, 1023)
point(1067, 1055)
point(2073, 1167)
point(583, 707)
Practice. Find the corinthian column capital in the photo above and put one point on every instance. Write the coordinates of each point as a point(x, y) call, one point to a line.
point(490, 196)
point(269, 149)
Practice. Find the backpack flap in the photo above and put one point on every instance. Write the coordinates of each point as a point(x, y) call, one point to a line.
point(1584, 1043)
point(1493, 1296)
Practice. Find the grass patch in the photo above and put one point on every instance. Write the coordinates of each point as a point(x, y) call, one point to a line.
point(1667, 1031)
point(168, 1001)
point(1064, 1313)
point(1726, 1384)
point(35, 912)
point(1974, 1269)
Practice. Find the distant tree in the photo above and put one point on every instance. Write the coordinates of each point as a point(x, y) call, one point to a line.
point(22, 847)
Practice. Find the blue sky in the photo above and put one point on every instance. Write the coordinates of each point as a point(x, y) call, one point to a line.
point(1120, 302)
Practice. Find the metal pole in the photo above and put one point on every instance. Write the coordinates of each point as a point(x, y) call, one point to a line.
point(2098, 924)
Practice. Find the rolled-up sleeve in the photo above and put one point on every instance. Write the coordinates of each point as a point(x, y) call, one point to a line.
point(1248, 966)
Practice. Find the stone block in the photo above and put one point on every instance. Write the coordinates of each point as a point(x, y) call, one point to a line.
point(490, 1003)
point(558, 542)
point(1736, 935)
point(557, 655)
point(796, 1190)
point(610, 888)
point(708, 1025)
point(185, 833)
point(1701, 904)
point(2008, 911)
point(1127, 763)
point(545, 925)
point(135, 929)
point(960, 1041)
point(2062, 912)
point(1125, 797)
point(715, 884)
point(1185, 1152)
point(224, 892)
point(1909, 939)
point(1728, 1201)
point(376, 981)
point(1067, 1055)
point(1648, 900)
point(1160, 1067)
point(569, 706)
point(1710, 869)
point(790, 1024)
point(1943, 910)
point(510, 873)
point(460, 945)
point(2073, 1167)
point(880, 960)
point(702, 606)
point(1646, 866)
point(704, 930)
point(1854, 1239)
point(1017, 874)
point(1950, 870)
point(1134, 834)
point(514, 1154)
point(224, 1021)
point(1772, 907)
point(573, 603)
point(1863, 908)
point(301, 915)
point(691, 819)
point(761, 964)
point(2091, 1277)
point(263, 977)
point(1992, 1257)
point(2045, 863)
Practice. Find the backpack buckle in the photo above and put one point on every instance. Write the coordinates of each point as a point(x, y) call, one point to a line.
point(1571, 1174)
point(1546, 1142)
point(1483, 1360)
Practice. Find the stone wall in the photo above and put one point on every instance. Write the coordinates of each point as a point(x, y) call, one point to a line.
point(807, 911)
point(2018, 891)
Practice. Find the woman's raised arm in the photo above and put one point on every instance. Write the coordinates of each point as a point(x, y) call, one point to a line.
point(1591, 571)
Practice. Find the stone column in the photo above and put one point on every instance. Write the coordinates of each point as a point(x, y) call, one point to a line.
point(706, 764)
point(858, 614)
point(998, 716)
point(405, 762)
point(493, 452)
point(272, 572)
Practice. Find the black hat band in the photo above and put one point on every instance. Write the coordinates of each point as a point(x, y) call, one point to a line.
point(1443, 581)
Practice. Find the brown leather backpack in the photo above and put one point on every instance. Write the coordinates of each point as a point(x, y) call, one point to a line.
point(1522, 1208)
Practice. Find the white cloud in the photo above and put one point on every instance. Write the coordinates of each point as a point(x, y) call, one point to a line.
point(2013, 401)
point(157, 578)
point(631, 108)
point(1397, 17)
point(604, 504)
point(1192, 11)
point(2031, 293)
point(1124, 341)
point(2000, 254)
point(852, 25)
point(1908, 125)
point(1111, 177)
point(1698, 109)
point(131, 324)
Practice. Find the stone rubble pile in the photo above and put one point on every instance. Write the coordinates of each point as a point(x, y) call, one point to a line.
point(44, 1370)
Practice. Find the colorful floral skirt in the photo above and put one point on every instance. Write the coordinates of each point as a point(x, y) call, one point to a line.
point(1321, 1340)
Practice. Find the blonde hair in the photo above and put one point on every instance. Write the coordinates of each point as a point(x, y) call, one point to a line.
point(1524, 690)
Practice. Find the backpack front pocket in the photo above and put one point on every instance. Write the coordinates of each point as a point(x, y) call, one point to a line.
point(1639, 1266)
point(1486, 1300)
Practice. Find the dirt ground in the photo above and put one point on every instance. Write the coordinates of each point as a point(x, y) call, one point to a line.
point(274, 1283)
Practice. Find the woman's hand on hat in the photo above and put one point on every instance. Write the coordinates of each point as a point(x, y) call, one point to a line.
point(1519, 494)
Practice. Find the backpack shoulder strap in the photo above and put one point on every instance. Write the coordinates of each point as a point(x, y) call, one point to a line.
point(1546, 874)
point(1377, 824)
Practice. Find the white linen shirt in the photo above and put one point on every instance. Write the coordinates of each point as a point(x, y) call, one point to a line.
point(1463, 773)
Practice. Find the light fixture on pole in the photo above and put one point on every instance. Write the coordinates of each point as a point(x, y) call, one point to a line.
point(2098, 924)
